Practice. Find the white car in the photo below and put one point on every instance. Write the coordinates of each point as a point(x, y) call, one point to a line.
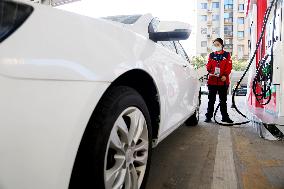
point(84, 100)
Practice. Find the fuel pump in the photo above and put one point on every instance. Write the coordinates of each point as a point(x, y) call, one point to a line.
point(268, 81)
point(267, 76)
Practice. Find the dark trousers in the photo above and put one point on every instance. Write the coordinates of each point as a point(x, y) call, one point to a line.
point(222, 91)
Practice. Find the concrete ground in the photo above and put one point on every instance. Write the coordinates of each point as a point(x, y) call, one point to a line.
point(212, 156)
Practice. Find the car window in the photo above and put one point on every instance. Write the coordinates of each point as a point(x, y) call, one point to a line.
point(12, 16)
point(169, 45)
point(181, 51)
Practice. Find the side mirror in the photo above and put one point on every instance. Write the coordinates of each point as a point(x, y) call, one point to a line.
point(170, 36)
point(171, 31)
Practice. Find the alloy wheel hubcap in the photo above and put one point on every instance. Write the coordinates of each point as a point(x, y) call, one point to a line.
point(127, 151)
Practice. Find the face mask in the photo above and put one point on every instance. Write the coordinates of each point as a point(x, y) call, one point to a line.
point(216, 48)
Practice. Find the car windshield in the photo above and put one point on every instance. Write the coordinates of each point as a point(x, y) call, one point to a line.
point(12, 16)
point(125, 19)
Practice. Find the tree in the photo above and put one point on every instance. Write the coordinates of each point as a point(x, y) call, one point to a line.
point(198, 61)
point(239, 65)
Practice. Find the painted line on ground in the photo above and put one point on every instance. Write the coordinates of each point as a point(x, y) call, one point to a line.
point(224, 175)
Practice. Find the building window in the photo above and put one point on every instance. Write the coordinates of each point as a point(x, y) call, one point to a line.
point(228, 4)
point(215, 5)
point(215, 17)
point(241, 34)
point(216, 31)
point(228, 7)
point(241, 20)
point(228, 41)
point(241, 7)
point(228, 28)
point(203, 18)
point(203, 30)
point(228, 31)
point(228, 17)
point(228, 47)
point(240, 51)
point(203, 43)
point(203, 5)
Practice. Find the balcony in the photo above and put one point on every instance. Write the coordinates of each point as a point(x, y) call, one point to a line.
point(228, 35)
point(228, 10)
point(228, 23)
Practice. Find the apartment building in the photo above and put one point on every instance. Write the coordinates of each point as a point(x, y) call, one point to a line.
point(225, 19)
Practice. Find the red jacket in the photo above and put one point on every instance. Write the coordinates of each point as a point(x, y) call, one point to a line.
point(224, 62)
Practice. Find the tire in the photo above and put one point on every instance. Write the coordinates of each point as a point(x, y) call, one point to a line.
point(108, 156)
point(192, 120)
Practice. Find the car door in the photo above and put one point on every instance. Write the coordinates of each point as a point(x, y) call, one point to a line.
point(191, 78)
point(179, 87)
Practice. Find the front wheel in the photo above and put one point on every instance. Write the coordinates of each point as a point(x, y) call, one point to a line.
point(193, 120)
point(116, 149)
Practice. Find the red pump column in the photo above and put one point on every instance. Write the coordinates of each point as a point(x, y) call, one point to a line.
point(261, 8)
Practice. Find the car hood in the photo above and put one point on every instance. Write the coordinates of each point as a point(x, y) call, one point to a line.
point(58, 45)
